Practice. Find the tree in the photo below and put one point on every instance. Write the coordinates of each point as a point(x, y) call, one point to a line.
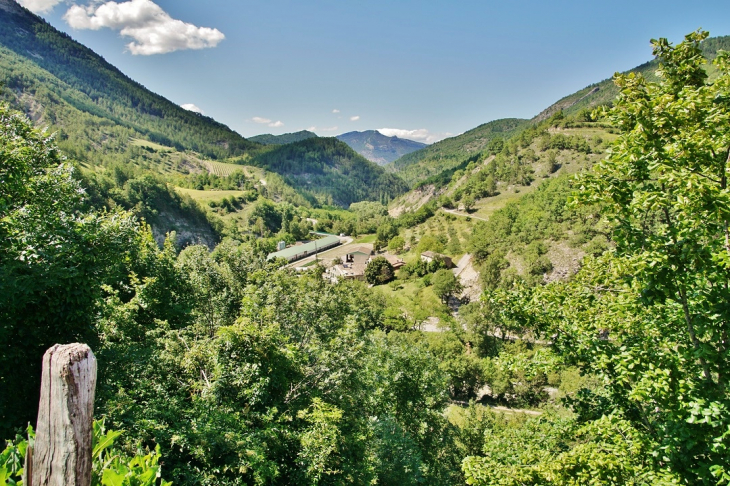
point(384, 233)
point(651, 318)
point(444, 284)
point(664, 188)
point(379, 271)
point(55, 259)
point(396, 244)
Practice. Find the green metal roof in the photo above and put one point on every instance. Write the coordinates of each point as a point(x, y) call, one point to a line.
point(310, 248)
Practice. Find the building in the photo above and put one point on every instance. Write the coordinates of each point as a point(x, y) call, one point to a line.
point(358, 254)
point(429, 256)
point(394, 260)
point(294, 253)
point(346, 271)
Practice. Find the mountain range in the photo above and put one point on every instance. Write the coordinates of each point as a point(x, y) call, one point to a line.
point(379, 148)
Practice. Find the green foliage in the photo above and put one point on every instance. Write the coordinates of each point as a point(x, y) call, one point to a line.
point(12, 459)
point(379, 271)
point(55, 257)
point(421, 268)
point(109, 467)
point(396, 244)
point(445, 284)
point(647, 318)
point(249, 383)
point(556, 450)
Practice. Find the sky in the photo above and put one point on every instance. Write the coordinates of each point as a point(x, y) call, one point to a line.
point(423, 70)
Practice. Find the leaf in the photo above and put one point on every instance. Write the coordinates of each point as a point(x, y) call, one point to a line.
point(115, 478)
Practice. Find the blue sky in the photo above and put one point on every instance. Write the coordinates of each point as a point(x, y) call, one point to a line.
point(423, 69)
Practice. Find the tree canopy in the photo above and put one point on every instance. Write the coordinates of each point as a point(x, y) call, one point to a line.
point(650, 318)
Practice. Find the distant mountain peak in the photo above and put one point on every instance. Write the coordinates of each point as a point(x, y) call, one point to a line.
point(379, 148)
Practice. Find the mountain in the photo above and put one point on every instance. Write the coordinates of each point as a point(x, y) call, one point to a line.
point(269, 139)
point(331, 171)
point(379, 148)
point(451, 152)
point(101, 117)
point(446, 154)
point(605, 91)
point(61, 83)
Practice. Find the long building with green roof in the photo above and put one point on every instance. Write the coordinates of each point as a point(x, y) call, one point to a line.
point(297, 252)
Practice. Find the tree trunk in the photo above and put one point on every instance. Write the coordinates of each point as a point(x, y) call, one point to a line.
point(62, 455)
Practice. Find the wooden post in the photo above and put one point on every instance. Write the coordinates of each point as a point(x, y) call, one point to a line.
point(62, 452)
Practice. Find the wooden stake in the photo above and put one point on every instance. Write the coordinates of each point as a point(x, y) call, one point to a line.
point(62, 455)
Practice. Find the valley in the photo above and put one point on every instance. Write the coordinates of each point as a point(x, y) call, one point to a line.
point(535, 301)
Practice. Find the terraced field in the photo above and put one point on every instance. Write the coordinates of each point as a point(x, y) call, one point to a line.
point(221, 169)
point(206, 196)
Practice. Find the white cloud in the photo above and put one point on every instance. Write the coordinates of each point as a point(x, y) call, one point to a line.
point(152, 29)
point(335, 110)
point(355, 118)
point(191, 107)
point(268, 121)
point(39, 6)
point(329, 129)
point(419, 135)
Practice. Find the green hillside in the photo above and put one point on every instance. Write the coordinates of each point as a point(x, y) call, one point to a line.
point(447, 154)
point(331, 171)
point(606, 91)
point(269, 139)
point(102, 117)
point(444, 155)
point(48, 72)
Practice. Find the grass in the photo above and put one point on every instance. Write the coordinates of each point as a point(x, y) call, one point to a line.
point(206, 196)
point(154, 146)
point(367, 239)
point(413, 291)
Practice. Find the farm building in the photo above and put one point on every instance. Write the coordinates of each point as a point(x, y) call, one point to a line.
point(359, 254)
point(395, 261)
point(294, 253)
point(346, 271)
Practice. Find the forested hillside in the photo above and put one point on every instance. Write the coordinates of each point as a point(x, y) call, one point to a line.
point(582, 337)
point(606, 91)
point(102, 118)
point(448, 153)
point(85, 83)
point(269, 139)
point(331, 171)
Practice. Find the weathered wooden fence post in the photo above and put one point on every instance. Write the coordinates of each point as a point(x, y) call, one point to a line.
point(62, 452)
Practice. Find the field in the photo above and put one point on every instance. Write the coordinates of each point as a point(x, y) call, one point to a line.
point(221, 169)
point(206, 196)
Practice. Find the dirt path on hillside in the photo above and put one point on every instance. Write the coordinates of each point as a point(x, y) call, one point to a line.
point(463, 215)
